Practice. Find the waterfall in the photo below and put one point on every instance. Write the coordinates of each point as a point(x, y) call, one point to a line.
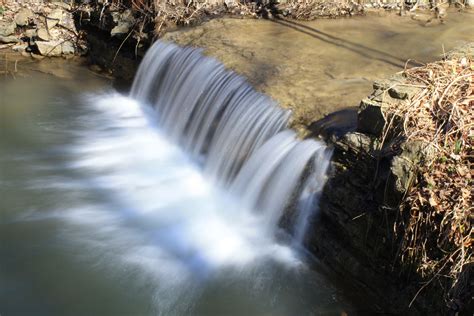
point(238, 135)
point(168, 201)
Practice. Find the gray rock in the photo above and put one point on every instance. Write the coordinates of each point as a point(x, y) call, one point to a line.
point(43, 34)
point(7, 28)
point(68, 48)
point(403, 92)
point(51, 48)
point(357, 143)
point(9, 39)
point(370, 119)
point(54, 18)
point(403, 172)
point(23, 16)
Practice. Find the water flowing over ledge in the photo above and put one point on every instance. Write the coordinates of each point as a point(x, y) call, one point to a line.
point(168, 202)
point(240, 136)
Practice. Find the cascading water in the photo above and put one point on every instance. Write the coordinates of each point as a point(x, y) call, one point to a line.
point(238, 134)
point(167, 201)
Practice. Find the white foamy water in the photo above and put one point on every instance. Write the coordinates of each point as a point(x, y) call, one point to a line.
point(172, 197)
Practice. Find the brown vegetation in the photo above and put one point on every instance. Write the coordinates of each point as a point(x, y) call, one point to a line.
point(166, 14)
point(437, 214)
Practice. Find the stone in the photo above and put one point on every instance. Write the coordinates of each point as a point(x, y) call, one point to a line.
point(9, 39)
point(7, 28)
point(43, 34)
point(357, 143)
point(67, 21)
point(403, 172)
point(31, 33)
point(370, 119)
point(403, 92)
point(54, 18)
point(20, 47)
point(123, 23)
point(68, 48)
point(51, 48)
point(23, 17)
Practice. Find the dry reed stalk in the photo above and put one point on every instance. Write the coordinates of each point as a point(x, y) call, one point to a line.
point(437, 231)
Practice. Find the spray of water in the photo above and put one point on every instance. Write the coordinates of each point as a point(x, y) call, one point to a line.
point(184, 182)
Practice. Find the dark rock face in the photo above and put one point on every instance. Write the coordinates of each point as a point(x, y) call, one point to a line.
point(367, 182)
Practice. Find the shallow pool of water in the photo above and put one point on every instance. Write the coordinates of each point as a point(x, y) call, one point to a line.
point(318, 67)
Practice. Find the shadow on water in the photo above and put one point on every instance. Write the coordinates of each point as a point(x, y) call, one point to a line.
point(362, 50)
point(337, 123)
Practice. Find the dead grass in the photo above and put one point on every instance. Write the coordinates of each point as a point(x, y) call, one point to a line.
point(168, 14)
point(437, 215)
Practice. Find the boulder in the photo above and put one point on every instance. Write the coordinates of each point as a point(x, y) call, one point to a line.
point(23, 17)
point(54, 18)
point(7, 28)
point(51, 48)
point(403, 170)
point(67, 21)
point(31, 33)
point(67, 48)
point(43, 34)
point(370, 119)
point(8, 39)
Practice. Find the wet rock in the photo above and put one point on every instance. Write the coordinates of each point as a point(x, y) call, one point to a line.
point(51, 48)
point(68, 48)
point(43, 34)
point(54, 18)
point(23, 17)
point(9, 39)
point(7, 28)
